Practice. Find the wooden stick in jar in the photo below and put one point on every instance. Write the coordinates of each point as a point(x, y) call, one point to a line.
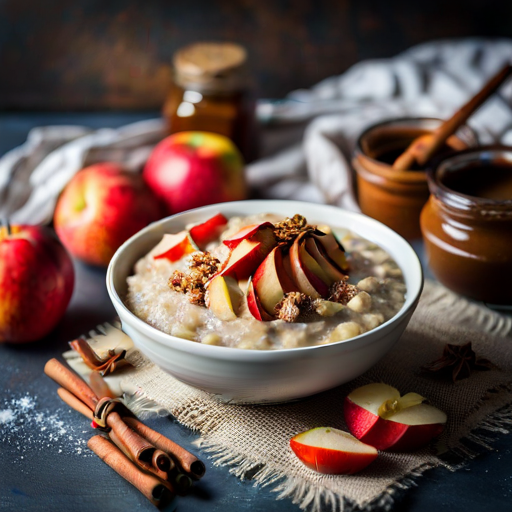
point(189, 462)
point(155, 490)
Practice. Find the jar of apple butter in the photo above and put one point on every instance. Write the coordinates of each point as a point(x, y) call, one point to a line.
point(467, 223)
point(211, 92)
point(396, 197)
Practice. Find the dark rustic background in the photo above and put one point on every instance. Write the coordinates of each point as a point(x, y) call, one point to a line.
point(115, 54)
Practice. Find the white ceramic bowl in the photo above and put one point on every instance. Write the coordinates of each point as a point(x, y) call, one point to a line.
point(253, 376)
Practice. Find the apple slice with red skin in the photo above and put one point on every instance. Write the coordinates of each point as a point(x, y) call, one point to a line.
point(306, 280)
point(249, 233)
point(224, 297)
point(333, 249)
point(254, 305)
point(208, 231)
point(174, 247)
point(246, 257)
point(326, 265)
point(271, 281)
point(377, 415)
point(332, 451)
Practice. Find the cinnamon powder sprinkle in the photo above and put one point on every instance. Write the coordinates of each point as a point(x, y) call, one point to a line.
point(342, 292)
point(202, 266)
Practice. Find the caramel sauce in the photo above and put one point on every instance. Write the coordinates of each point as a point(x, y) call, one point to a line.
point(491, 180)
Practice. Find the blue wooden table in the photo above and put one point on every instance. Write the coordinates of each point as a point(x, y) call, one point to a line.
point(39, 472)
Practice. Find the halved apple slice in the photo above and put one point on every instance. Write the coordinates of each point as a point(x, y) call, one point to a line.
point(377, 415)
point(306, 280)
point(332, 451)
point(254, 305)
point(174, 247)
point(224, 297)
point(333, 249)
point(245, 258)
point(324, 262)
point(248, 233)
point(208, 231)
point(271, 281)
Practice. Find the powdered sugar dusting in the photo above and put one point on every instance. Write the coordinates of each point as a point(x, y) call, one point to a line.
point(29, 428)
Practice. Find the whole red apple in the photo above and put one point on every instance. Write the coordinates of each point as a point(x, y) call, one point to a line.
point(100, 208)
point(192, 169)
point(36, 282)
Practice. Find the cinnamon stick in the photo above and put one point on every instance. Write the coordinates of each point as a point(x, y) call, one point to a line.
point(74, 403)
point(72, 382)
point(192, 466)
point(99, 385)
point(91, 359)
point(155, 490)
point(424, 147)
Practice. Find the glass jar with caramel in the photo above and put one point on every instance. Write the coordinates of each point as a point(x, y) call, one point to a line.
point(211, 92)
point(467, 224)
point(393, 197)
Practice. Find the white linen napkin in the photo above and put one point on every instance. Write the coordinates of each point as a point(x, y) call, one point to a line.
point(308, 136)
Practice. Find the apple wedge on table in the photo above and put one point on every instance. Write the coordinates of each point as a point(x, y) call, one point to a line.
point(332, 451)
point(377, 415)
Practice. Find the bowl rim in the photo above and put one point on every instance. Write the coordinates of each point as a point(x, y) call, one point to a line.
point(234, 353)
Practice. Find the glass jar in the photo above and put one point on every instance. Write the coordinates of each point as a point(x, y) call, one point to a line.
point(211, 93)
point(467, 224)
point(393, 197)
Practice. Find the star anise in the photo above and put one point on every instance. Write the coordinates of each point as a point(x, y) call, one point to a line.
point(459, 361)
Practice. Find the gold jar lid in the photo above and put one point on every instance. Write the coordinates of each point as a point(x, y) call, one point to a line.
point(212, 66)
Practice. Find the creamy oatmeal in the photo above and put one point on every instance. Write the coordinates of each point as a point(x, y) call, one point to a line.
point(342, 308)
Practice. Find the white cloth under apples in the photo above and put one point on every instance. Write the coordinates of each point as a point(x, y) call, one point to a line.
point(308, 136)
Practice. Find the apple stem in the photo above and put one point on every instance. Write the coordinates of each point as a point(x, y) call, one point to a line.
point(5, 222)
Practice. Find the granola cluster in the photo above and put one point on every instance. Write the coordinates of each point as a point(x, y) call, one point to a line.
point(287, 230)
point(294, 305)
point(202, 266)
point(342, 292)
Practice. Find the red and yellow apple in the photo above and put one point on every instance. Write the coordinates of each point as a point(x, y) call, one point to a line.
point(332, 451)
point(206, 232)
point(254, 305)
point(224, 297)
point(100, 208)
point(192, 169)
point(377, 415)
point(36, 282)
point(174, 247)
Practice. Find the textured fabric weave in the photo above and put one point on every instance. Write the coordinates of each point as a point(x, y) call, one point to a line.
point(255, 439)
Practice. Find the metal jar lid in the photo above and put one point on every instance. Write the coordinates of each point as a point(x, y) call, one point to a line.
point(211, 66)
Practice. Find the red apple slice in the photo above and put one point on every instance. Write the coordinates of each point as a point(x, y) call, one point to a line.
point(377, 415)
point(254, 305)
point(246, 257)
point(174, 247)
point(248, 233)
point(333, 249)
point(208, 231)
point(323, 261)
point(332, 451)
point(306, 280)
point(224, 297)
point(271, 281)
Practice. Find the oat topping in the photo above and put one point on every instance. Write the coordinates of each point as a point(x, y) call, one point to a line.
point(294, 305)
point(201, 267)
point(287, 230)
point(342, 291)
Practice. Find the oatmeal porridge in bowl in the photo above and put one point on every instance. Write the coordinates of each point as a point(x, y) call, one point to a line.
point(265, 301)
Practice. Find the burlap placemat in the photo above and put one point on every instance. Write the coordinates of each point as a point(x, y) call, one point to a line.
point(255, 439)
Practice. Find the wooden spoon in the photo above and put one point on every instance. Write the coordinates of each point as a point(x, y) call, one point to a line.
point(424, 147)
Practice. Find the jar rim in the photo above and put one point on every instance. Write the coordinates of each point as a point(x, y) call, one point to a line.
point(429, 123)
point(459, 200)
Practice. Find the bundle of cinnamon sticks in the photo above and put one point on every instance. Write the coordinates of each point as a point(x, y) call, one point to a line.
point(154, 464)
